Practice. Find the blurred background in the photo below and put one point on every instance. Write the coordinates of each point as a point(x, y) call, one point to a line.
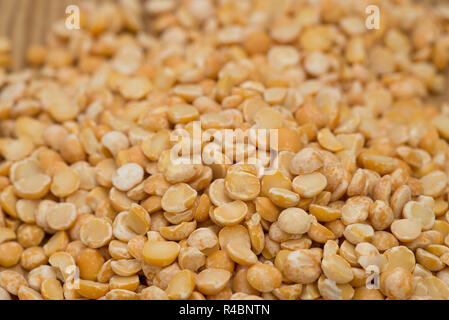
point(27, 22)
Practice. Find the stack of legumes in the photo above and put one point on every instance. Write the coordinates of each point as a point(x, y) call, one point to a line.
point(93, 207)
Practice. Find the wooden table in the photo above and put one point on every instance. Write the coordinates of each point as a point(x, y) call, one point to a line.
point(27, 22)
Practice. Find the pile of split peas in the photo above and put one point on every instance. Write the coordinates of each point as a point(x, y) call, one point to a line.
point(93, 206)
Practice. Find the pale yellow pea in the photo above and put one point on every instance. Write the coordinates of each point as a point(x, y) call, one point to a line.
point(118, 250)
point(328, 141)
point(212, 281)
point(240, 254)
point(379, 163)
point(330, 290)
point(231, 213)
point(397, 283)
point(306, 161)
point(434, 183)
point(130, 283)
point(179, 217)
point(324, 213)
point(267, 209)
point(294, 221)
point(61, 216)
point(188, 91)
point(400, 256)
point(217, 192)
point(153, 293)
point(421, 212)
point(11, 281)
point(178, 232)
point(153, 146)
point(337, 269)
point(135, 88)
point(10, 253)
point(24, 168)
point(430, 261)
point(309, 185)
point(26, 210)
point(138, 219)
point(358, 232)
point(181, 285)
point(65, 182)
point(6, 234)
point(283, 198)
point(274, 180)
point(264, 277)
point(182, 113)
point(51, 289)
point(127, 176)
point(160, 253)
point(406, 230)
point(178, 198)
point(26, 293)
point(91, 289)
point(302, 266)
point(380, 215)
point(126, 267)
point(96, 232)
point(33, 187)
point(119, 228)
point(191, 258)
point(355, 210)
point(242, 185)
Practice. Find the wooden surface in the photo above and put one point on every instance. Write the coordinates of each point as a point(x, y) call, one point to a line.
point(27, 22)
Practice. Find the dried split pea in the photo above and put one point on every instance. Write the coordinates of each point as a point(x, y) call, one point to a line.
point(337, 269)
point(217, 192)
point(309, 185)
point(178, 198)
point(61, 216)
point(264, 278)
point(324, 213)
point(10, 253)
point(302, 266)
point(241, 185)
point(127, 176)
point(160, 253)
point(33, 187)
point(212, 281)
point(267, 209)
point(241, 254)
point(125, 267)
point(397, 283)
point(51, 289)
point(181, 285)
point(182, 113)
point(89, 262)
point(138, 219)
point(231, 213)
point(283, 198)
point(406, 230)
point(328, 141)
point(294, 221)
point(91, 289)
point(178, 232)
point(421, 212)
point(65, 183)
point(135, 88)
point(96, 232)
